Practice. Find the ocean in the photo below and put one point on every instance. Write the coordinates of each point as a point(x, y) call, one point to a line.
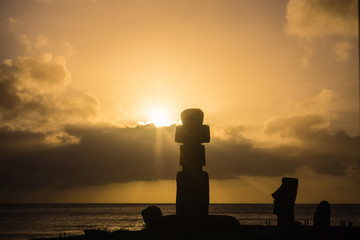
point(26, 221)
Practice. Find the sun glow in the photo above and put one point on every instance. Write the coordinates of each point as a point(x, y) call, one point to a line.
point(160, 117)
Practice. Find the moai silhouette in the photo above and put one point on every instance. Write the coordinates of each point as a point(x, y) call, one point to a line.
point(192, 197)
point(284, 201)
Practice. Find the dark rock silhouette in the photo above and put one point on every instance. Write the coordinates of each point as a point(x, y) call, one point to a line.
point(322, 216)
point(152, 217)
point(284, 201)
point(192, 197)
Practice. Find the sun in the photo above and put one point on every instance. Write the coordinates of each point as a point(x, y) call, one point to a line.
point(160, 117)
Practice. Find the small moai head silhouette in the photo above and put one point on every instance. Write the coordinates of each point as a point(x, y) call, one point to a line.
point(192, 117)
point(192, 130)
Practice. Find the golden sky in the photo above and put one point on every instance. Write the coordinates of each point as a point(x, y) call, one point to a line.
point(81, 80)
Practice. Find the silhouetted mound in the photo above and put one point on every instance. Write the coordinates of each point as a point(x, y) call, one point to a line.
point(175, 223)
point(152, 217)
point(322, 216)
point(242, 232)
point(154, 221)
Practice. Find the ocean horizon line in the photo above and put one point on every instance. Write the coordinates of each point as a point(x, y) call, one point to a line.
point(114, 203)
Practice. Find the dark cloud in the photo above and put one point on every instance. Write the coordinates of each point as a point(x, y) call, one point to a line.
point(311, 132)
point(13, 142)
point(105, 154)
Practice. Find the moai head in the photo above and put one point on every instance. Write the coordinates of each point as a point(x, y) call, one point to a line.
point(192, 131)
point(287, 191)
point(192, 117)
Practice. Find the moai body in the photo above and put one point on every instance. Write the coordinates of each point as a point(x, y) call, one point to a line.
point(192, 197)
point(284, 201)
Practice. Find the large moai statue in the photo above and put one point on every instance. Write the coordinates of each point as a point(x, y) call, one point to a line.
point(284, 201)
point(192, 197)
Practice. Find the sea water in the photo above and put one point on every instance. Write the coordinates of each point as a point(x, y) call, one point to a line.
point(26, 221)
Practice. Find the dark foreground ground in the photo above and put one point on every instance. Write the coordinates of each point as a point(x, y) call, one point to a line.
point(242, 232)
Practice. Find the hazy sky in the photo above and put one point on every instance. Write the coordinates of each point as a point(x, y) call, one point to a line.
point(80, 81)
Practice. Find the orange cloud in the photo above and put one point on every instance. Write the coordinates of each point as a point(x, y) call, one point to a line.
point(32, 94)
point(314, 20)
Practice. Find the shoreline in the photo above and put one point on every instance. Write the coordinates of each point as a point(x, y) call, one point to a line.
point(243, 232)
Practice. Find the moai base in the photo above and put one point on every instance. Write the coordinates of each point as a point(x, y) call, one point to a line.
point(192, 197)
point(284, 201)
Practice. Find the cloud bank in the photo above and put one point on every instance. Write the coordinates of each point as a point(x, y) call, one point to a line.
point(106, 154)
